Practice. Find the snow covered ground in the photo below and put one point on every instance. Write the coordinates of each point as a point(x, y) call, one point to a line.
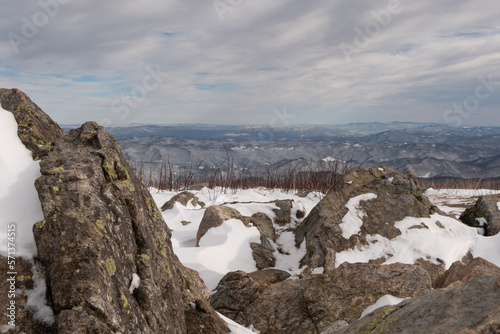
point(227, 247)
point(20, 208)
point(455, 201)
point(440, 239)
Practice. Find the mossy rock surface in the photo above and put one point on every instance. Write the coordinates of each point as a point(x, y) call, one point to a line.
point(97, 209)
point(37, 131)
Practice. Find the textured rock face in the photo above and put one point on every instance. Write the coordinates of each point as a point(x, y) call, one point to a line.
point(101, 227)
point(183, 198)
point(263, 253)
point(37, 130)
point(470, 308)
point(237, 290)
point(461, 272)
point(313, 304)
point(486, 208)
point(397, 196)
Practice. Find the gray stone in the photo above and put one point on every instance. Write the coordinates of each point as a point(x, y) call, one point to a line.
point(398, 196)
point(313, 304)
point(183, 198)
point(37, 130)
point(464, 272)
point(486, 207)
point(469, 308)
point(284, 213)
point(101, 226)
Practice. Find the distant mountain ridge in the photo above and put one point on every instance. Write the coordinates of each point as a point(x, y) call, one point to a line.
point(427, 149)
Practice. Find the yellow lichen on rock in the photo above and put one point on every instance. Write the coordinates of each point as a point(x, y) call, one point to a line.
point(111, 266)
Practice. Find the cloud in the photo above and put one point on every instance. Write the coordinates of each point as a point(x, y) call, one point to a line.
point(415, 64)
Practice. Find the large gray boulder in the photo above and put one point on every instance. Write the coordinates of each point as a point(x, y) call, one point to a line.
point(102, 231)
point(37, 130)
point(469, 308)
point(485, 214)
point(313, 304)
point(395, 197)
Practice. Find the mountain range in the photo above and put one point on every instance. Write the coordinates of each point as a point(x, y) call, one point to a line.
point(427, 149)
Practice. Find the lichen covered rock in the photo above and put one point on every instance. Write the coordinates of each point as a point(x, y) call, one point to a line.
point(101, 227)
point(385, 197)
point(313, 304)
point(37, 130)
point(469, 308)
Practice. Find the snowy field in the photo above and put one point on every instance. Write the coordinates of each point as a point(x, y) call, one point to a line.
point(227, 247)
point(440, 239)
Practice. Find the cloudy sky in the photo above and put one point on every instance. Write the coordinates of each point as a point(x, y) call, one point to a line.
point(271, 62)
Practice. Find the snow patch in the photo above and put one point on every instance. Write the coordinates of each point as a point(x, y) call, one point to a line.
point(318, 271)
point(289, 257)
point(381, 302)
point(444, 239)
point(36, 299)
point(222, 249)
point(136, 281)
point(353, 220)
point(19, 203)
point(237, 328)
point(498, 206)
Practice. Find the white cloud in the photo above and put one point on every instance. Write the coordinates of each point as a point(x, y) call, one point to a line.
point(261, 56)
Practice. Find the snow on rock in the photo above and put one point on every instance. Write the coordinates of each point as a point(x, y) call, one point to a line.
point(438, 238)
point(353, 220)
point(222, 249)
point(290, 260)
point(38, 302)
point(381, 302)
point(237, 328)
point(134, 284)
point(19, 203)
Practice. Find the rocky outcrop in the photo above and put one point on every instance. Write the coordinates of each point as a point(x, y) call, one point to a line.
point(263, 252)
point(37, 130)
point(237, 290)
point(313, 304)
point(284, 212)
point(485, 214)
point(14, 290)
point(464, 272)
point(183, 198)
point(106, 249)
point(469, 308)
point(388, 198)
